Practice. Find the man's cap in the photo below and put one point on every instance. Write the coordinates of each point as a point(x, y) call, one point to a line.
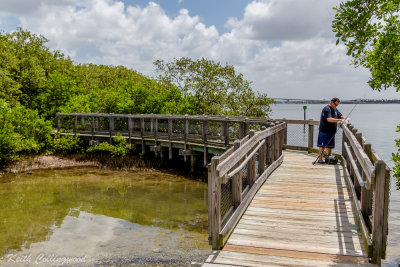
point(335, 99)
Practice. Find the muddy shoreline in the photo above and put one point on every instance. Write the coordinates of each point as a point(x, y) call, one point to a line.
point(130, 162)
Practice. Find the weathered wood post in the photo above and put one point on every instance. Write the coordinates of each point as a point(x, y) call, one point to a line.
point(185, 137)
point(142, 135)
point(205, 132)
point(251, 166)
point(310, 136)
point(242, 129)
point(215, 205)
point(355, 180)
point(379, 208)
point(155, 133)
point(58, 122)
point(170, 137)
point(75, 124)
point(262, 155)
point(225, 126)
point(111, 126)
point(246, 126)
point(271, 149)
point(93, 129)
point(285, 134)
point(276, 145)
point(237, 181)
point(366, 195)
point(130, 129)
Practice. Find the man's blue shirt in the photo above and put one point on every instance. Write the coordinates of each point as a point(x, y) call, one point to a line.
point(324, 125)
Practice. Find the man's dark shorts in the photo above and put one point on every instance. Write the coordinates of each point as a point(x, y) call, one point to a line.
point(324, 138)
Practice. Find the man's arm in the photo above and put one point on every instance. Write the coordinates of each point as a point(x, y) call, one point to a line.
point(335, 120)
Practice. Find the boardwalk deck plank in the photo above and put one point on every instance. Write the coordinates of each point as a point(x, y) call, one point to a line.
point(301, 216)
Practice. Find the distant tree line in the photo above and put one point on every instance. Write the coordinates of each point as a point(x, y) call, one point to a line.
point(36, 83)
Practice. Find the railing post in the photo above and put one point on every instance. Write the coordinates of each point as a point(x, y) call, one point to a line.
point(237, 181)
point(155, 129)
point(130, 129)
point(262, 154)
point(170, 138)
point(215, 204)
point(226, 131)
point(251, 166)
point(246, 127)
point(285, 134)
point(92, 118)
point(185, 136)
point(379, 212)
point(276, 146)
point(58, 123)
point(75, 124)
point(205, 132)
point(111, 128)
point(242, 127)
point(310, 136)
point(142, 135)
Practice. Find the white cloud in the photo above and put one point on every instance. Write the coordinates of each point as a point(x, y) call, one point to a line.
point(277, 20)
point(284, 46)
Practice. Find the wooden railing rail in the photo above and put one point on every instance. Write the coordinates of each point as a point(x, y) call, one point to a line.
point(369, 180)
point(228, 167)
point(209, 132)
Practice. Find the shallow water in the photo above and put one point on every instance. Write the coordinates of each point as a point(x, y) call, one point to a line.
point(90, 216)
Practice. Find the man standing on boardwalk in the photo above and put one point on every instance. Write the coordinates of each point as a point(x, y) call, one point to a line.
point(330, 116)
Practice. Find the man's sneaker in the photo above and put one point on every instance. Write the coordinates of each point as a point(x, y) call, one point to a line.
point(320, 161)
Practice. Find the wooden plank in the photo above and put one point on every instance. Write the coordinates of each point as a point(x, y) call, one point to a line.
point(331, 242)
point(278, 244)
point(297, 254)
point(257, 260)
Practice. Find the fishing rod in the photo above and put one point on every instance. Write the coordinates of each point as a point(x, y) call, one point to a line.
point(347, 117)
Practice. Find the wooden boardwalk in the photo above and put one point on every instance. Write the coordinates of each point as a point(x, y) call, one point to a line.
point(301, 216)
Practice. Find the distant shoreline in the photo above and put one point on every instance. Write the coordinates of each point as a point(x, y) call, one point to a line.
point(342, 102)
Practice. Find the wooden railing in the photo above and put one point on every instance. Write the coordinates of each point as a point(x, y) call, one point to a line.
point(368, 178)
point(213, 134)
point(261, 153)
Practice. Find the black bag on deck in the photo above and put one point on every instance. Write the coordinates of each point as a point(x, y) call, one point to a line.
point(331, 160)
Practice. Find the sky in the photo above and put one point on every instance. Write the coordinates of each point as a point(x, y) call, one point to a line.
point(285, 47)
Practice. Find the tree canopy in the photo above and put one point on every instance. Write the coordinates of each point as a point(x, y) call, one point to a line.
point(371, 32)
point(212, 88)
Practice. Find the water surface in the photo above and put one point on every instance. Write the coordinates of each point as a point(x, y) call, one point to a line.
point(99, 216)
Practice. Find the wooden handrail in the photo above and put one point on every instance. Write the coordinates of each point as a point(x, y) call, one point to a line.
point(230, 161)
point(367, 167)
point(268, 144)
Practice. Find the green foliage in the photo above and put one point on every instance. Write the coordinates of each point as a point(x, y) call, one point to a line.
point(65, 144)
point(396, 159)
point(119, 147)
point(22, 131)
point(371, 32)
point(213, 89)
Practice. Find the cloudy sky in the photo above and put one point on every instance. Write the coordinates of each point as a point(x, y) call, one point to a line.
point(286, 47)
